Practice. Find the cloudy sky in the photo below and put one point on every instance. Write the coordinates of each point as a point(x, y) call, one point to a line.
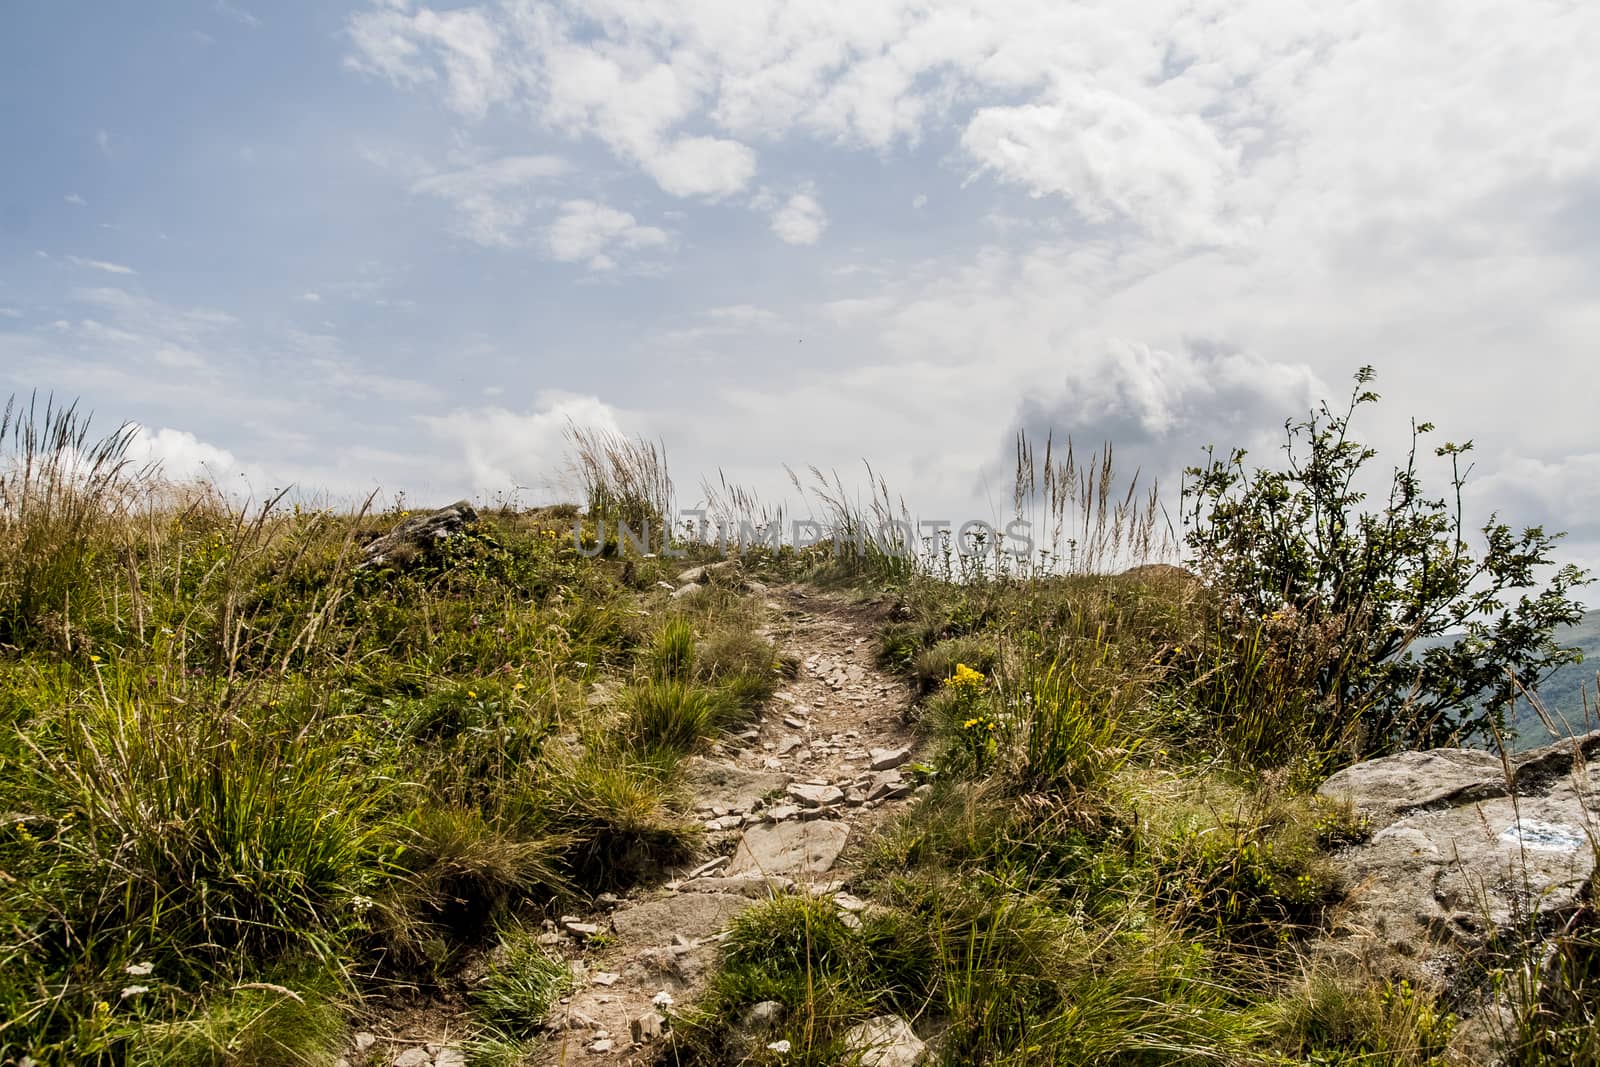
point(401, 244)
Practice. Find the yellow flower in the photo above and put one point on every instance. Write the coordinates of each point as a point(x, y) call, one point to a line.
point(965, 679)
point(471, 695)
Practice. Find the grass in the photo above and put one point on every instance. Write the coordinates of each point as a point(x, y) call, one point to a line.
point(250, 791)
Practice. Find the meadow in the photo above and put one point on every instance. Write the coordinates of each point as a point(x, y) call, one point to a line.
point(255, 787)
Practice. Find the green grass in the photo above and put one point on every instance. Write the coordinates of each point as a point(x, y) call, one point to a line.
point(249, 790)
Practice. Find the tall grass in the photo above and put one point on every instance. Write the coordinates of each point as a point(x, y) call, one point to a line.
point(1089, 521)
point(64, 496)
point(205, 836)
point(623, 479)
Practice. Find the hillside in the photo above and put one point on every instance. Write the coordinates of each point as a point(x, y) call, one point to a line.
point(1569, 693)
point(430, 788)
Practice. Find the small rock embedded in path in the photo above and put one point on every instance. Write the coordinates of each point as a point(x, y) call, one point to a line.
point(885, 759)
point(790, 848)
point(413, 1057)
point(817, 796)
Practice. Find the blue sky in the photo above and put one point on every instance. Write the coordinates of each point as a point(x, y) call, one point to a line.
point(399, 245)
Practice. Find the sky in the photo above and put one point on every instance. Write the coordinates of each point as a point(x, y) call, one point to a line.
point(401, 246)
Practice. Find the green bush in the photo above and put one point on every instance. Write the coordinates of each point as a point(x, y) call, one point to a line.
point(1351, 589)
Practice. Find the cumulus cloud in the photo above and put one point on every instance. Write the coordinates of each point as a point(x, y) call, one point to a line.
point(1158, 407)
point(181, 456)
point(701, 166)
point(800, 221)
point(503, 450)
point(586, 231)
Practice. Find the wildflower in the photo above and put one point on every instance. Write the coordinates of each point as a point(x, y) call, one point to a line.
point(139, 970)
point(361, 903)
point(662, 999)
point(133, 991)
point(471, 695)
point(94, 659)
point(780, 1047)
point(965, 679)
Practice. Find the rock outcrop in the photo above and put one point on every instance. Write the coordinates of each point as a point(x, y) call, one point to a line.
point(418, 536)
point(1467, 851)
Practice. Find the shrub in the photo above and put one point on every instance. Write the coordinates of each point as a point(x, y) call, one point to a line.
point(933, 665)
point(463, 872)
point(617, 814)
point(1358, 588)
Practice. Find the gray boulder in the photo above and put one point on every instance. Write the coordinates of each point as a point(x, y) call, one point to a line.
point(418, 536)
point(1467, 851)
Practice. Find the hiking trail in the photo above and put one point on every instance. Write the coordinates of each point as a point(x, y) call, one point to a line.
point(782, 802)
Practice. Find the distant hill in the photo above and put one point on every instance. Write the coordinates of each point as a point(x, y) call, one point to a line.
point(1563, 692)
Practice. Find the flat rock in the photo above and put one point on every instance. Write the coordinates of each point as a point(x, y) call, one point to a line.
point(722, 785)
point(789, 848)
point(886, 759)
point(816, 796)
point(755, 886)
point(886, 1041)
point(1456, 863)
point(413, 1057)
point(654, 922)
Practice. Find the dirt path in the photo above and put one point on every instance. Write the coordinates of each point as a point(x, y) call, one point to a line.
point(782, 803)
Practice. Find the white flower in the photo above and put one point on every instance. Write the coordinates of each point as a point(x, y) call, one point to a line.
point(134, 990)
point(662, 999)
point(139, 970)
point(780, 1047)
point(361, 903)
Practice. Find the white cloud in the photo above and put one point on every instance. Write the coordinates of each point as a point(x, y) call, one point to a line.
point(10, 313)
point(75, 199)
point(800, 221)
point(494, 200)
point(311, 298)
point(181, 455)
point(238, 14)
point(394, 43)
point(593, 232)
point(100, 264)
point(504, 450)
point(701, 166)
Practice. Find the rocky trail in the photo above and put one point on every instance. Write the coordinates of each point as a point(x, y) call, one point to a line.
point(782, 803)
